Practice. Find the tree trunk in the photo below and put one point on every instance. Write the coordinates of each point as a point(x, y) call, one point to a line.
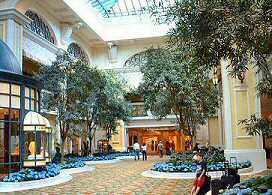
point(62, 148)
point(91, 140)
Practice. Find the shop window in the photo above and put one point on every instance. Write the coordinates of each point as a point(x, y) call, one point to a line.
point(27, 92)
point(4, 88)
point(15, 115)
point(4, 101)
point(4, 114)
point(2, 149)
point(33, 94)
point(16, 90)
point(33, 105)
point(35, 147)
point(14, 142)
point(27, 104)
point(15, 102)
point(32, 99)
point(2, 124)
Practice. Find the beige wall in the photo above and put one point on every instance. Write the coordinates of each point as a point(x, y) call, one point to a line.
point(214, 132)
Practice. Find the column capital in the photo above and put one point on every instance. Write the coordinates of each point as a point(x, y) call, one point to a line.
point(14, 15)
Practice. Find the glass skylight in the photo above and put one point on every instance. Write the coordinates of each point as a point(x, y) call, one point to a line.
point(117, 8)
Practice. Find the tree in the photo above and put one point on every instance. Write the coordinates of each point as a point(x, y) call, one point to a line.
point(101, 102)
point(60, 89)
point(238, 30)
point(257, 126)
point(172, 85)
point(114, 105)
point(89, 101)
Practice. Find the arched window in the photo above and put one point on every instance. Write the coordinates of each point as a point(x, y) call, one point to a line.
point(76, 51)
point(39, 26)
point(136, 60)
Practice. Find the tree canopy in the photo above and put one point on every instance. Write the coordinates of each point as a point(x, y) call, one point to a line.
point(238, 30)
point(172, 85)
point(211, 30)
point(60, 90)
point(83, 95)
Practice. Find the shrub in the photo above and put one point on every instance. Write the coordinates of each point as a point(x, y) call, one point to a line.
point(72, 164)
point(191, 167)
point(260, 185)
point(32, 174)
point(211, 156)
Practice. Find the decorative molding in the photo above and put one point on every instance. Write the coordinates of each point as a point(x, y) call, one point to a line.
point(124, 69)
point(14, 15)
point(40, 40)
point(136, 60)
point(66, 33)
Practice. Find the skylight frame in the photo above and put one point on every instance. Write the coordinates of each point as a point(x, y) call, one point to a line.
point(121, 8)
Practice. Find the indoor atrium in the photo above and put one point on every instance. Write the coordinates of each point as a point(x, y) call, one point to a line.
point(170, 97)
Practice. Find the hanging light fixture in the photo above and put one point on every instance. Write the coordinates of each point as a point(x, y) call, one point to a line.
point(112, 52)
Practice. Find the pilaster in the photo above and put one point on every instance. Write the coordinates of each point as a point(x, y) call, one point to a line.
point(239, 102)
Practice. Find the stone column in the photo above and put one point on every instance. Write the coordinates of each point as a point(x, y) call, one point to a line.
point(12, 24)
point(239, 102)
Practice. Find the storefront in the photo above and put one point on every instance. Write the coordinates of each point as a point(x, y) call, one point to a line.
point(18, 95)
point(170, 137)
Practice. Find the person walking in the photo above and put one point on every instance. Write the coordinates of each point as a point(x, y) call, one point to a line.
point(136, 148)
point(160, 147)
point(144, 151)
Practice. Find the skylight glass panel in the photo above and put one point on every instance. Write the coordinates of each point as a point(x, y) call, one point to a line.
point(116, 8)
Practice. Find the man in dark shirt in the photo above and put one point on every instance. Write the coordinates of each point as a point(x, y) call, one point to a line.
point(57, 157)
point(200, 174)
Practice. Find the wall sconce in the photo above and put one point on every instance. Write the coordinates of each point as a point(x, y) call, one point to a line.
point(112, 52)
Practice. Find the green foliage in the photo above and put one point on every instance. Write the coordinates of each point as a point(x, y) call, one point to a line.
point(114, 105)
point(61, 87)
point(83, 95)
point(239, 30)
point(177, 86)
point(101, 102)
point(257, 126)
point(211, 156)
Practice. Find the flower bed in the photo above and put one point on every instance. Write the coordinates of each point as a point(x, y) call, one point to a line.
point(191, 167)
point(72, 164)
point(260, 185)
point(96, 158)
point(184, 162)
point(42, 173)
point(31, 174)
point(211, 156)
point(101, 156)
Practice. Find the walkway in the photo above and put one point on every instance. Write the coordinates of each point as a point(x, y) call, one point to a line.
point(121, 178)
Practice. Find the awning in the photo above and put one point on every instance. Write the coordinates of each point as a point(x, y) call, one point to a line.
point(34, 121)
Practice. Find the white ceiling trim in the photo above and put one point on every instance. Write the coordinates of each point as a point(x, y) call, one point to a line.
point(113, 29)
